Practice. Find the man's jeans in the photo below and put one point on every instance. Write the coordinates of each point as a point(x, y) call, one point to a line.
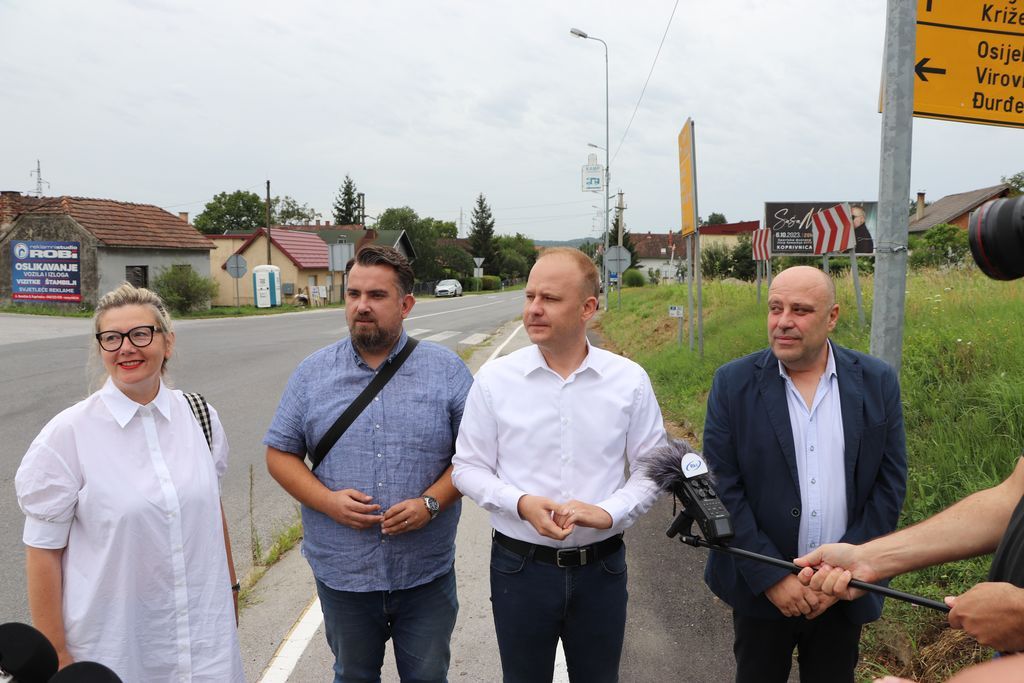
point(420, 621)
point(535, 604)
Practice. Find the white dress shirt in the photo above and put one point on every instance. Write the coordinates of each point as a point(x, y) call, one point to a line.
point(820, 446)
point(131, 493)
point(525, 430)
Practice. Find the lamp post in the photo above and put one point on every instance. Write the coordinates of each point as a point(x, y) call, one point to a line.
point(607, 163)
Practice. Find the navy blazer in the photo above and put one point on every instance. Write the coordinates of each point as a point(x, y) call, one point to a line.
point(748, 442)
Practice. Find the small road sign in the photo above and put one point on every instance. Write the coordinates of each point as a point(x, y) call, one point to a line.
point(676, 312)
point(617, 259)
point(236, 265)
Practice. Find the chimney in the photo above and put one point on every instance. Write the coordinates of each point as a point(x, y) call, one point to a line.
point(10, 206)
point(318, 223)
point(920, 207)
point(183, 215)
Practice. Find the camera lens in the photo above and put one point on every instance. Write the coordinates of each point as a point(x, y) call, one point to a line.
point(996, 236)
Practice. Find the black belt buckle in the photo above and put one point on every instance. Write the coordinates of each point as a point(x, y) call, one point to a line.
point(571, 557)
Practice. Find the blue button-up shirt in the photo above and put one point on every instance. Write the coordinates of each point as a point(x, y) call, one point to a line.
point(401, 444)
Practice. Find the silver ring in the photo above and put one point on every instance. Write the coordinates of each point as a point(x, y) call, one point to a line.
point(406, 522)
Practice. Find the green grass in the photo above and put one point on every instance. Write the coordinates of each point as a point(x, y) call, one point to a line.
point(961, 380)
point(43, 309)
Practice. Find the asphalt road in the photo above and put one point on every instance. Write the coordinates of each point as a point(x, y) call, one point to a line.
point(240, 365)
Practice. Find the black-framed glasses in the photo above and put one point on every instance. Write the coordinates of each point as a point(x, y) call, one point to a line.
point(140, 336)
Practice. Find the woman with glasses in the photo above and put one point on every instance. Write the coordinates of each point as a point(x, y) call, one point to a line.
point(128, 558)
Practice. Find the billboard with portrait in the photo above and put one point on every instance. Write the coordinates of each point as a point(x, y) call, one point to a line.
point(45, 271)
point(791, 226)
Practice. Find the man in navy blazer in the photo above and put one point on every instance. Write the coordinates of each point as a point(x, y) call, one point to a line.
point(806, 443)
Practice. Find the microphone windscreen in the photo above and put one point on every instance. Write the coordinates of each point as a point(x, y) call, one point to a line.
point(86, 672)
point(26, 654)
point(663, 465)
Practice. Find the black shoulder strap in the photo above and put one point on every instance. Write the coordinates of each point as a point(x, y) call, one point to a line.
point(359, 404)
point(202, 412)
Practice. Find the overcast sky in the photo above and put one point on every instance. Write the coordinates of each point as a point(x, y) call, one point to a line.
point(427, 104)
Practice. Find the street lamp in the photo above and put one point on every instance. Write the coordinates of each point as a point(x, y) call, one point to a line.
point(607, 162)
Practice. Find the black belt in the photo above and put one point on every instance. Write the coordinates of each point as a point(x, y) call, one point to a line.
point(561, 557)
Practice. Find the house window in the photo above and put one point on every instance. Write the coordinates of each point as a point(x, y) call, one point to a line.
point(137, 276)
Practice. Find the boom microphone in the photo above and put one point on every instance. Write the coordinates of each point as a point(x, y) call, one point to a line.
point(26, 656)
point(679, 471)
point(676, 469)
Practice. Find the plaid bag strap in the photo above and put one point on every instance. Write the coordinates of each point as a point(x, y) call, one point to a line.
point(202, 412)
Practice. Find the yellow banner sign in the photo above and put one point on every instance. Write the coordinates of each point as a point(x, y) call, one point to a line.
point(969, 62)
point(688, 179)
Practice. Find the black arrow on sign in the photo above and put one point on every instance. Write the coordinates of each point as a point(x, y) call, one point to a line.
point(920, 69)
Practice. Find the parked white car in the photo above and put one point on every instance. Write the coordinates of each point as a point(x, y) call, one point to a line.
point(448, 288)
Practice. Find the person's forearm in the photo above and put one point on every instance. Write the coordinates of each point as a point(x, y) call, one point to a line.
point(291, 473)
point(968, 528)
point(45, 596)
point(443, 490)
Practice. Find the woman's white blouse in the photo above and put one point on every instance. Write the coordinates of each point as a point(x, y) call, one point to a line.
point(132, 494)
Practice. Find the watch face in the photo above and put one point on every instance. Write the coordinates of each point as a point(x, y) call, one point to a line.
point(432, 505)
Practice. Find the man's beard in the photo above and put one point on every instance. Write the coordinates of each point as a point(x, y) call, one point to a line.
point(374, 339)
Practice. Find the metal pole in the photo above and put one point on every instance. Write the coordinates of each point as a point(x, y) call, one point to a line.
point(689, 284)
point(607, 178)
point(268, 228)
point(856, 286)
point(894, 183)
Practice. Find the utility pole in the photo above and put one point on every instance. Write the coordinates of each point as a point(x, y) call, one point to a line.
point(894, 183)
point(38, 173)
point(268, 223)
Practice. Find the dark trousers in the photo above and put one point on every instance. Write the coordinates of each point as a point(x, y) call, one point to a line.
point(418, 620)
point(536, 604)
point(827, 648)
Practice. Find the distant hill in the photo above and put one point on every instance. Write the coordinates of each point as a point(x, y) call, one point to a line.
point(565, 243)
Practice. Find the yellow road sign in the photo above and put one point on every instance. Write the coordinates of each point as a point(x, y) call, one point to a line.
point(688, 179)
point(969, 62)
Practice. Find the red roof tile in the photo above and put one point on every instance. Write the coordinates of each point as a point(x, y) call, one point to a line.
point(121, 224)
point(305, 249)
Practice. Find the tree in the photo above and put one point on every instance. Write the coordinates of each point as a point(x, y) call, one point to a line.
point(423, 233)
point(238, 210)
point(455, 261)
point(183, 289)
point(510, 263)
point(287, 211)
point(519, 244)
point(481, 235)
point(715, 219)
point(346, 206)
point(1016, 183)
point(742, 264)
point(943, 245)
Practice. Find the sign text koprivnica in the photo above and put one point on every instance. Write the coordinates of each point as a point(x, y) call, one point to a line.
point(969, 61)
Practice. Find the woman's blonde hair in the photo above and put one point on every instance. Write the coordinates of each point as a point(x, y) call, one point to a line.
point(129, 295)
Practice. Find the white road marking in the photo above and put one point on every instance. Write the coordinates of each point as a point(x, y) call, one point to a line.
point(440, 336)
point(416, 333)
point(474, 339)
point(294, 644)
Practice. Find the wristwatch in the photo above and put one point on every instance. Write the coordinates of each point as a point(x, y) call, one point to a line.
point(432, 507)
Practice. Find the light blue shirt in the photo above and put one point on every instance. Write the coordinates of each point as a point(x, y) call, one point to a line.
point(401, 444)
point(818, 439)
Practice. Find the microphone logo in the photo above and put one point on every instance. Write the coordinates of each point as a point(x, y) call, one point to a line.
point(693, 465)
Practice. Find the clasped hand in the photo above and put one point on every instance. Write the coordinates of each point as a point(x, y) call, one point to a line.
point(357, 510)
point(558, 520)
point(793, 599)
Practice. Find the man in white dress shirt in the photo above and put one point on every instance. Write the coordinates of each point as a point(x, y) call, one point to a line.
point(546, 439)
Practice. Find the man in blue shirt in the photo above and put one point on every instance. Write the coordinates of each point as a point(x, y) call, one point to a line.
point(380, 511)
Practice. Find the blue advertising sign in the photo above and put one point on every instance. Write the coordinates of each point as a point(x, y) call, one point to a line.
point(45, 271)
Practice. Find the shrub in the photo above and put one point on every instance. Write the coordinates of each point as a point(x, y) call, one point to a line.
point(471, 284)
point(715, 261)
point(490, 283)
point(633, 278)
point(183, 289)
point(944, 245)
point(654, 275)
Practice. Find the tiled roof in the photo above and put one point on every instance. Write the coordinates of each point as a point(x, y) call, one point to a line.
point(730, 228)
point(649, 245)
point(305, 249)
point(121, 224)
point(953, 206)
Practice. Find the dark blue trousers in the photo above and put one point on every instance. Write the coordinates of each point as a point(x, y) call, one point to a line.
point(536, 604)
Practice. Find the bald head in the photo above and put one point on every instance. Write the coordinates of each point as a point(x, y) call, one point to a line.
point(811, 281)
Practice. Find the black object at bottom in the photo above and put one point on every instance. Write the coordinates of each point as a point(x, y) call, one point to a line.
point(561, 557)
point(684, 521)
